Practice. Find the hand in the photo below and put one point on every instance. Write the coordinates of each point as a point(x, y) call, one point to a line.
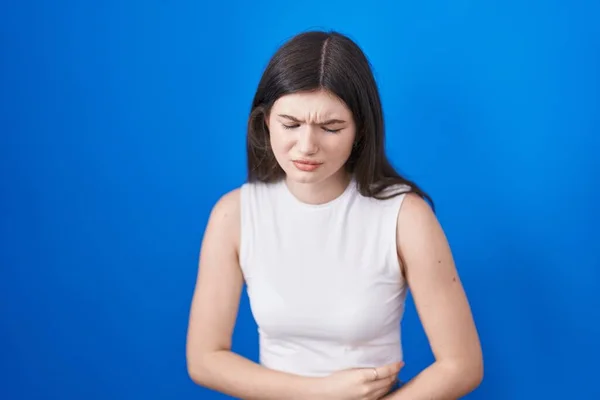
point(360, 383)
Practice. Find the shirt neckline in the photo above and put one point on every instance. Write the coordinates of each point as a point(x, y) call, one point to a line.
point(291, 197)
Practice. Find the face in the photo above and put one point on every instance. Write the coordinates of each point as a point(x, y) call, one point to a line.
point(312, 135)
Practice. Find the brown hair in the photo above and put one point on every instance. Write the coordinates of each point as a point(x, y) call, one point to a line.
point(330, 61)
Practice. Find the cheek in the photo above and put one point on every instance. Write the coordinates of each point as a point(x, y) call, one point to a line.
point(280, 142)
point(341, 149)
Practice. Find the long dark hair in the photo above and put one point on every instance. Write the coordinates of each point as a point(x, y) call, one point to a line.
point(330, 61)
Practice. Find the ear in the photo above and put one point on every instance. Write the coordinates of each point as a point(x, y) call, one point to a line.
point(266, 119)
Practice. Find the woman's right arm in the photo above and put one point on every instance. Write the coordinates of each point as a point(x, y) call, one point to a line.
point(215, 303)
point(213, 313)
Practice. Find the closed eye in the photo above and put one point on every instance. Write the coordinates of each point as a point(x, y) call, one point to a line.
point(293, 126)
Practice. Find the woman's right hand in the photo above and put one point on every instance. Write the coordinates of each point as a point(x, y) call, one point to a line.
point(360, 383)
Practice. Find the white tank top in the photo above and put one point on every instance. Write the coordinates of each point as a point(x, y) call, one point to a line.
point(324, 281)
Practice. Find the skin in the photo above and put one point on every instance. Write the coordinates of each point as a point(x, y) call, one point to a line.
point(442, 306)
point(313, 126)
point(301, 128)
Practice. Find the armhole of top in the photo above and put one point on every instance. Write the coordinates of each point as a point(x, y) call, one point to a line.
point(397, 208)
point(243, 239)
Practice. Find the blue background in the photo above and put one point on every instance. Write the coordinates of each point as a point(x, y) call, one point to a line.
point(123, 122)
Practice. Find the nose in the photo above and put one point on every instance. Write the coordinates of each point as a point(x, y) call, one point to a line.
point(307, 141)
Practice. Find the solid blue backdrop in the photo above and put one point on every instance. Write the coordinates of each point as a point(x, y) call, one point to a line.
point(123, 122)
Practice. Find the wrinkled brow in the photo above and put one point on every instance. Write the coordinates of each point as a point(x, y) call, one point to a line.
point(328, 122)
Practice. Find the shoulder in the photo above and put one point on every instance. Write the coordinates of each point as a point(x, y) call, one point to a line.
point(257, 193)
point(420, 237)
point(228, 209)
point(394, 191)
point(415, 212)
point(228, 204)
point(417, 225)
point(224, 220)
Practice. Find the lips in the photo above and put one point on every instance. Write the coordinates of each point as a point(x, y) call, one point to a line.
point(306, 165)
point(307, 162)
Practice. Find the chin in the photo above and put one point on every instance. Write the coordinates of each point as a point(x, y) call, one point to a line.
point(304, 177)
point(298, 176)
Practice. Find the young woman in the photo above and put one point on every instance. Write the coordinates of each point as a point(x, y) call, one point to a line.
point(328, 238)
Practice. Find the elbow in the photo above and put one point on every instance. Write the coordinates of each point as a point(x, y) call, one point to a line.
point(478, 370)
point(467, 374)
point(471, 373)
point(203, 367)
point(475, 374)
point(197, 369)
point(195, 372)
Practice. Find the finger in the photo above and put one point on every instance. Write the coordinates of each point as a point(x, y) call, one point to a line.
point(370, 374)
point(389, 370)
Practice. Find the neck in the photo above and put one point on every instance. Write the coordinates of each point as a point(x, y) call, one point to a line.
point(320, 192)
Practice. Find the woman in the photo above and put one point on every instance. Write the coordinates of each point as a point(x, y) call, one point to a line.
point(328, 238)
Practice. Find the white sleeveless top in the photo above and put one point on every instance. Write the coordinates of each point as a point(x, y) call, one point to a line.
point(324, 281)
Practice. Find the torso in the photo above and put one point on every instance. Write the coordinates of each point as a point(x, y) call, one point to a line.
point(324, 281)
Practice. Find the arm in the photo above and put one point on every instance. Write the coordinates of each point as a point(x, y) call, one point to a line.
point(442, 307)
point(214, 308)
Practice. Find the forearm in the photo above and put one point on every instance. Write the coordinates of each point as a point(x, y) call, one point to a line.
point(440, 381)
point(234, 375)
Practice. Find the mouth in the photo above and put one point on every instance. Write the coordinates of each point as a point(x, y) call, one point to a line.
point(307, 162)
point(307, 165)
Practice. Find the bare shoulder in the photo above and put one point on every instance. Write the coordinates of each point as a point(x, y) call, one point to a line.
point(419, 233)
point(416, 211)
point(228, 205)
point(224, 219)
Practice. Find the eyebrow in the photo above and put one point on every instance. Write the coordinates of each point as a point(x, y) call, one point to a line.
point(328, 122)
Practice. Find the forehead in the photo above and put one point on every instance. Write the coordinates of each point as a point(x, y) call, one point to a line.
point(318, 104)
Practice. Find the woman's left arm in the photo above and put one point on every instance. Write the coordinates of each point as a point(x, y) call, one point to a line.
point(442, 306)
